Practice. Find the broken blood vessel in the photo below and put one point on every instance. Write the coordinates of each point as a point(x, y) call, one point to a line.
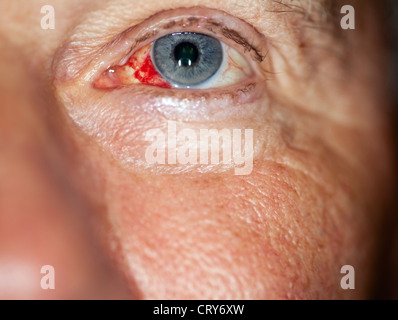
point(138, 69)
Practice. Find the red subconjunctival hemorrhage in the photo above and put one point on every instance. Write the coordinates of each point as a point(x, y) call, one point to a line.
point(139, 69)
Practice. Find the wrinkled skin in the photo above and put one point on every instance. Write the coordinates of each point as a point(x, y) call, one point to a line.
point(72, 195)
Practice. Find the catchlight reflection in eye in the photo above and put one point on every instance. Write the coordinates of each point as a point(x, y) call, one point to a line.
point(184, 60)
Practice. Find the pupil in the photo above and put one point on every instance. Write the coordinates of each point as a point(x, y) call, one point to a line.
point(186, 54)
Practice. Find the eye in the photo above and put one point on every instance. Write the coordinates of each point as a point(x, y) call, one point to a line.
point(186, 60)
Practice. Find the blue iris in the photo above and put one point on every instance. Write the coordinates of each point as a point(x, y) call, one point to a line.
point(187, 59)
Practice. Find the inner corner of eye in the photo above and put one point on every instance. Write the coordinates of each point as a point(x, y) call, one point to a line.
point(178, 60)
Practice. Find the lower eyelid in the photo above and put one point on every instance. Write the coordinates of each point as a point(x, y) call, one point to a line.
point(238, 102)
point(118, 119)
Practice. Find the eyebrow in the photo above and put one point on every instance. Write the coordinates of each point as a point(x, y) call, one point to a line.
point(312, 11)
point(315, 12)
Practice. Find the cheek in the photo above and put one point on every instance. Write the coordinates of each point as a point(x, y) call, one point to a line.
point(285, 231)
point(308, 208)
point(276, 234)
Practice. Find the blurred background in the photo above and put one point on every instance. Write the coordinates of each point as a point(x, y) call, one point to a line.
point(387, 285)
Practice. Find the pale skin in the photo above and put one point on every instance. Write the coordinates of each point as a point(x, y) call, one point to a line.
point(74, 192)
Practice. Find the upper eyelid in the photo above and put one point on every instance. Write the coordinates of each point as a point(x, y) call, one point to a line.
point(187, 19)
point(193, 22)
point(212, 26)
